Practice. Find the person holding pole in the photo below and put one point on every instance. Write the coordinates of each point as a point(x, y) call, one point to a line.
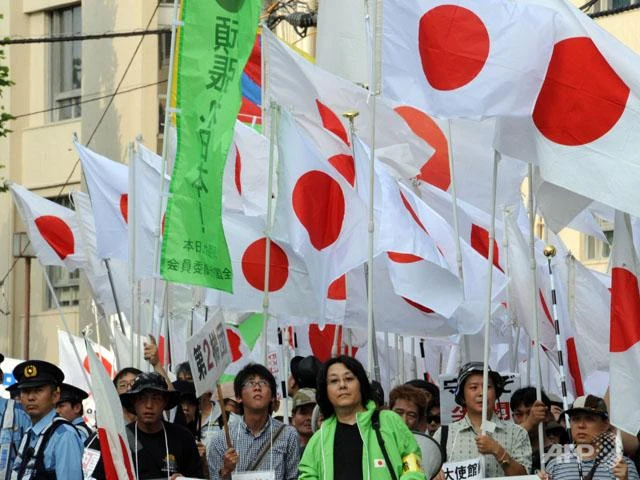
point(256, 441)
point(159, 449)
point(506, 449)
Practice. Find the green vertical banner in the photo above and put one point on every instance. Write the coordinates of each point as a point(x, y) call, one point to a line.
point(216, 39)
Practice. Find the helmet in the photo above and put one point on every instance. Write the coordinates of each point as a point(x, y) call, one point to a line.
point(469, 369)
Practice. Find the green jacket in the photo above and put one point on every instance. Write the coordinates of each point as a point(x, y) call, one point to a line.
point(317, 460)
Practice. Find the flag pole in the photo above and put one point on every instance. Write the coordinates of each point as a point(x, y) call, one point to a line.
point(374, 10)
point(487, 325)
point(64, 323)
point(550, 252)
point(514, 321)
point(175, 23)
point(534, 303)
point(131, 217)
point(115, 296)
point(285, 376)
point(414, 359)
point(273, 125)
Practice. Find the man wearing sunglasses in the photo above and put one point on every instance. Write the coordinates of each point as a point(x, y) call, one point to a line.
point(259, 442)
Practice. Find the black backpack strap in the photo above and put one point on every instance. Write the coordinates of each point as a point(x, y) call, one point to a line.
point(375, 423)
point(444, 434)
point(39, 469)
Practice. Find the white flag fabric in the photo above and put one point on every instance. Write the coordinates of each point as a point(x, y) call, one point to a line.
point(244, 186)
point(465, 58)
point(318, 99)
point(317, 212)
point(108, 185)
point(625, 329)
point(68, 362)
point(289, 288)
point(146, 199)
point(112, 433)
point(53, 230)
point(95, 269)
point(582, 131)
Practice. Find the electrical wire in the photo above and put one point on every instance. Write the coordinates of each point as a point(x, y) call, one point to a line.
point(104, 112)
point(81, 37)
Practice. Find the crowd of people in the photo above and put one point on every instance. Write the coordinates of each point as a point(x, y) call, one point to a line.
point(338, 427)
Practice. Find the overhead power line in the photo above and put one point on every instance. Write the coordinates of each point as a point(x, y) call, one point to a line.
point(81, 37)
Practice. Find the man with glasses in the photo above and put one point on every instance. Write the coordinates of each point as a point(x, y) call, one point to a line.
point(259, 442)
point(123, 381)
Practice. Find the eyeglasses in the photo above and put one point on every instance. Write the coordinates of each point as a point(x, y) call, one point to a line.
point(125, 384)
point(255, 383)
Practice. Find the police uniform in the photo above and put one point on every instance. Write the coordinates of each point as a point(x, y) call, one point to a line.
point(51, 448)
point(13, 423)
point(75, 395)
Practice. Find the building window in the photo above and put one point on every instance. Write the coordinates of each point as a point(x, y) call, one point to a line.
point(596, 250)
point(164, 49)
point(65, 284)
point(66, 64)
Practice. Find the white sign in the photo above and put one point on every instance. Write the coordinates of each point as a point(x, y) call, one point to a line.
point(208, 353)
point(465, 469)
point(255, 475)
point(451, 412)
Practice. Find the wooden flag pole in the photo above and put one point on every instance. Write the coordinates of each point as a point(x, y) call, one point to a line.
point(223, 413)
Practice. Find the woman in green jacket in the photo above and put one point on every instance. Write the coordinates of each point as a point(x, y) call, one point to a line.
point(346, 447)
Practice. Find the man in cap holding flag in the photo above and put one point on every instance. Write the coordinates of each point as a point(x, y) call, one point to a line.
point(51, 447)
point(13, 425)
point(70, 407)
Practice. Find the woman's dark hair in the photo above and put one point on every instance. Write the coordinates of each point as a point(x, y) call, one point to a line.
point(355, 367)
point(249, 371)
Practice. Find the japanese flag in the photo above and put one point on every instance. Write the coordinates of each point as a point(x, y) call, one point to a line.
point(148, 202)
point(108, 185)
point(112, 432)
point(53, 230)
point(465, 58)
point(582, 132)
point(244, 187)
point(289, 288)
point(317, 212)
point(625, 329)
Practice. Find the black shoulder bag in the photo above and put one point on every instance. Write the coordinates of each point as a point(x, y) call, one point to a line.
point(375, 423)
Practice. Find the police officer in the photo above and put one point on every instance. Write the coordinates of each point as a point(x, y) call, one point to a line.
point(51, 447)
point(70, 407)
point(13, 423)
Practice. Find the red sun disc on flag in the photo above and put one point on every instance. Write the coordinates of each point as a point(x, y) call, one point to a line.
point(480, 243)
point(344, 165)
point(625, 310)
point(57, 234)
point(253, 262)
point(417, 306)
point(338, 289)
point(238, 171)
point(318, 202)
point(106, 363)
point(321, 341)
point(436, 170)
point(454, 46)
point(412, 212)
point(582, 97)
point(403, 257)
point(124, 207)
point(332, 122)
point(234, 343)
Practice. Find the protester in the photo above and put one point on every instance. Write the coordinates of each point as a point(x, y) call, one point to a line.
point(411, 404)
point(433, 417)
point(13, 425)
point(594, 455)
point(259, 441)
point(51, 446)
point(70, 408)
point(123, 381)
point(528, 412)
point(507, 450)
point(183, 372)
point(304, 401)
point(188, 406)
point(304, 371)
point(430, 390)
point(349, 431)
point(160, 449)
